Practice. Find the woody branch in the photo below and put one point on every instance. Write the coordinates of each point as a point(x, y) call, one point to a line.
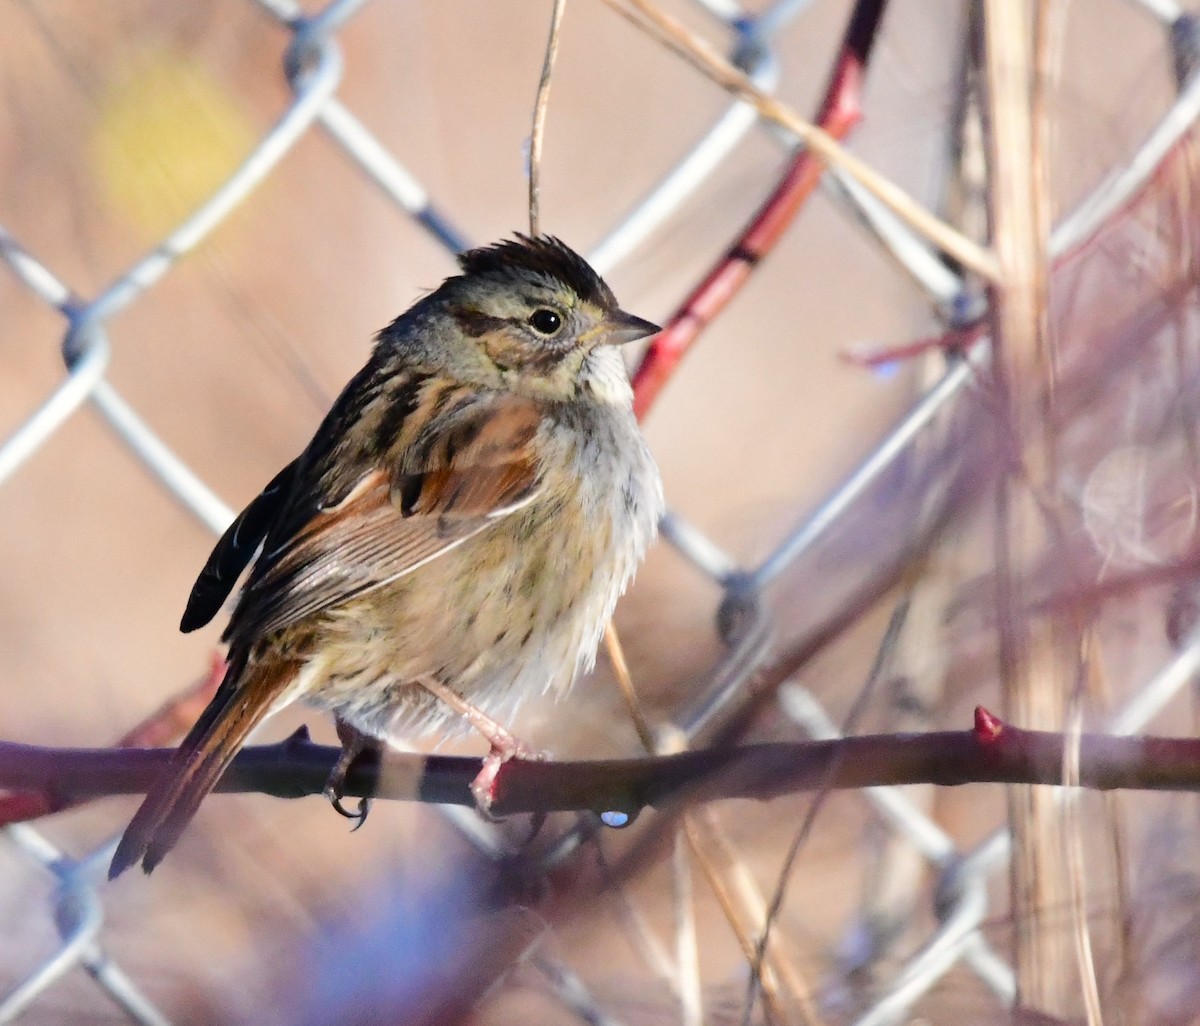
point(992, 752)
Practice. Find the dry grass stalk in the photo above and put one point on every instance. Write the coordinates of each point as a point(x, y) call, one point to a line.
point(1076, 876)
point(687, 940)
point(677, 37)
point(740, 899)
point(541, 104)
point(1036, 660)
point(784, 991)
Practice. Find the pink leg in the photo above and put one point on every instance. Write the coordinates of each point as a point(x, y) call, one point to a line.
point(503, 745)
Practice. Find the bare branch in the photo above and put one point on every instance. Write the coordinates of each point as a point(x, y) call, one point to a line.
point(993, 752)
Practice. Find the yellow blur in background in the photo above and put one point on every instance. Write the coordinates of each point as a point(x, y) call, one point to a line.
point(167, 135)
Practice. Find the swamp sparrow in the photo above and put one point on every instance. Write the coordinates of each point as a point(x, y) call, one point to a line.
point(453, 539)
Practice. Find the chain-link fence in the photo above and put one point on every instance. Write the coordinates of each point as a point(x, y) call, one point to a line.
point(905, 502)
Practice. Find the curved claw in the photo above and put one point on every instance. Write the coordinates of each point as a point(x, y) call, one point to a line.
point(354, 744)
point(364, 807)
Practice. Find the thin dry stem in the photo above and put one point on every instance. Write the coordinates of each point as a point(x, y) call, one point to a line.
point(645, 941)
point(687, 941)
point(540, 106)
point(1073, 837)
point(1100, 691)
point(568, 989)
point(894, 867)
point(677, 975)
point(673, 34)
point(616, 656)
point(745, 909)
point(882, 657)
point(752, 910)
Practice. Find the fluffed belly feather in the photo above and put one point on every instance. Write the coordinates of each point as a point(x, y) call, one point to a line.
point(516, 611)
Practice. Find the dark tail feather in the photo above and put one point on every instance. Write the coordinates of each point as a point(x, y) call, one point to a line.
point(238, 706)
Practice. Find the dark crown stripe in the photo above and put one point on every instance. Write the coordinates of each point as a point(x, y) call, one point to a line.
point(544, 255)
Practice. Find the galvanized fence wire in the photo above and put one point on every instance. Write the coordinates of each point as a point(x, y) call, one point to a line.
point(313, 65)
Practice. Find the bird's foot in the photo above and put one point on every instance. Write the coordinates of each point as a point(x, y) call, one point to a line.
point(354, 744)
point(503, 745)
point(504, 748)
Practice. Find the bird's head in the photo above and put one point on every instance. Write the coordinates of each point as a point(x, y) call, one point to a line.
point(532, 315)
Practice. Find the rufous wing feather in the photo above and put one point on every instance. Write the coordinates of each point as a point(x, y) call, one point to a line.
point(245, 697)
point(461, 474)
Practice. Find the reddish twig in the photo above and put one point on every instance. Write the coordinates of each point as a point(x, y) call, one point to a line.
point(992, 752)
point(840, 111)
point(956, 340)
point(160, 727)
point(177, 714)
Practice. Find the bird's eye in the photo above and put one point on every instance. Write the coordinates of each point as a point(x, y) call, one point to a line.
point(545, 321)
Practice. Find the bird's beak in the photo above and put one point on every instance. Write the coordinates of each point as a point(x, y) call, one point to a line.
point(624, 327)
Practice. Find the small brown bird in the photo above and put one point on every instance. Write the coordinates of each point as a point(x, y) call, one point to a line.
point(453, 539)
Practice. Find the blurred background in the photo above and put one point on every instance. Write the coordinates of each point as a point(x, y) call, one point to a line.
point(196, 377)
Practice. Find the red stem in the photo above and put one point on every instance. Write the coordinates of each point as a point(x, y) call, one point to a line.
point(840, 111)
point(163, 725)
